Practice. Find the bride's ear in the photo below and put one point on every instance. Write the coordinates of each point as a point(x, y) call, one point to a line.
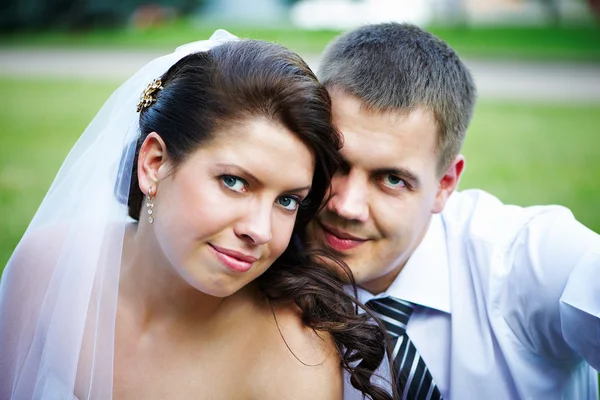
point(152, 156)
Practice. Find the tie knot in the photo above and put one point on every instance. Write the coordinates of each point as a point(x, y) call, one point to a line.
point(393, 312)
point(412, 376)
point(393, 303)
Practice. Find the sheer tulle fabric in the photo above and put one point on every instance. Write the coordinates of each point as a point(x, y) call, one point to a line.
point(58, 295)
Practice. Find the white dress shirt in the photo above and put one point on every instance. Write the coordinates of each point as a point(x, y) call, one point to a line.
point(508, 302)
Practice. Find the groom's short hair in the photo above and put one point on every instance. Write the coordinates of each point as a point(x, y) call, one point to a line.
point(395, 67)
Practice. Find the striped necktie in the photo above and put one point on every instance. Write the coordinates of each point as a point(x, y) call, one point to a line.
point(412, 377)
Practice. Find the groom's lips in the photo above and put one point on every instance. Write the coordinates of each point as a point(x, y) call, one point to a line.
point(339, 240)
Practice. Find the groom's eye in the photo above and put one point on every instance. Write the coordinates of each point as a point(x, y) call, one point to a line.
point(394, 181)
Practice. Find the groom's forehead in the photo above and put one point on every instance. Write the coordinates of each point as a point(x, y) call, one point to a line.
point(380, 136)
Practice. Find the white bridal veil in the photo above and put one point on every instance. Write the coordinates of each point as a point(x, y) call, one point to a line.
point(58, 295)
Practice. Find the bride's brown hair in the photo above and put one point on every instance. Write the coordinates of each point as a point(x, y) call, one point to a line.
point(209, 91)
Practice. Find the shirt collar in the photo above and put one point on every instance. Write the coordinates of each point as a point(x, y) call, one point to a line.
point(425, 279)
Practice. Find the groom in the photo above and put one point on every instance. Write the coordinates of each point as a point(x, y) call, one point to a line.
point(482, 300)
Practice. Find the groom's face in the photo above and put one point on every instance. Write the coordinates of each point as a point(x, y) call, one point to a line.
point(383, 196)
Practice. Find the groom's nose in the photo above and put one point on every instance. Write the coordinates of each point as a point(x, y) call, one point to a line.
point(349, 196)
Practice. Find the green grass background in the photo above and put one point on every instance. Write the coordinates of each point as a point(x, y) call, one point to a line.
point(524, 153)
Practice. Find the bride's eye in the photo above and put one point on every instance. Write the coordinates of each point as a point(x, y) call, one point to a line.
point(289, 203)
point(234, 183)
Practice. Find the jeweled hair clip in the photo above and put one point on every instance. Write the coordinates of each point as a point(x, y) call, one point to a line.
point(149, 94)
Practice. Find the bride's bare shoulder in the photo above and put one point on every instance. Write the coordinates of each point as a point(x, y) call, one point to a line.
point(304, 363)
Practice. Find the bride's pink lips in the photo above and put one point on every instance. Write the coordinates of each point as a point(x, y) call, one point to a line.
point(339, 240)
point(234, 260)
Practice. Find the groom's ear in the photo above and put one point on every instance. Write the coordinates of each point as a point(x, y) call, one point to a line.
point(152, 160)
point(448, 183)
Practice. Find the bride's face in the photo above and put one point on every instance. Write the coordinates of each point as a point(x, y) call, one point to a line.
point(224, 215)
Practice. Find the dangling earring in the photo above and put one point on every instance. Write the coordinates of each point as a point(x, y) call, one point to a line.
point(150, 205)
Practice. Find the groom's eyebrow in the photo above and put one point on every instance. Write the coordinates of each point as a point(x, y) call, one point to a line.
point(402, 172)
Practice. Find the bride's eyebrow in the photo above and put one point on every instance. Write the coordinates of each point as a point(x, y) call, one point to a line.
point(299, 190)
point(249, 176)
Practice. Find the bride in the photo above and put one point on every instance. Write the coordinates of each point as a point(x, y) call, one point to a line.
point(164, 260)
